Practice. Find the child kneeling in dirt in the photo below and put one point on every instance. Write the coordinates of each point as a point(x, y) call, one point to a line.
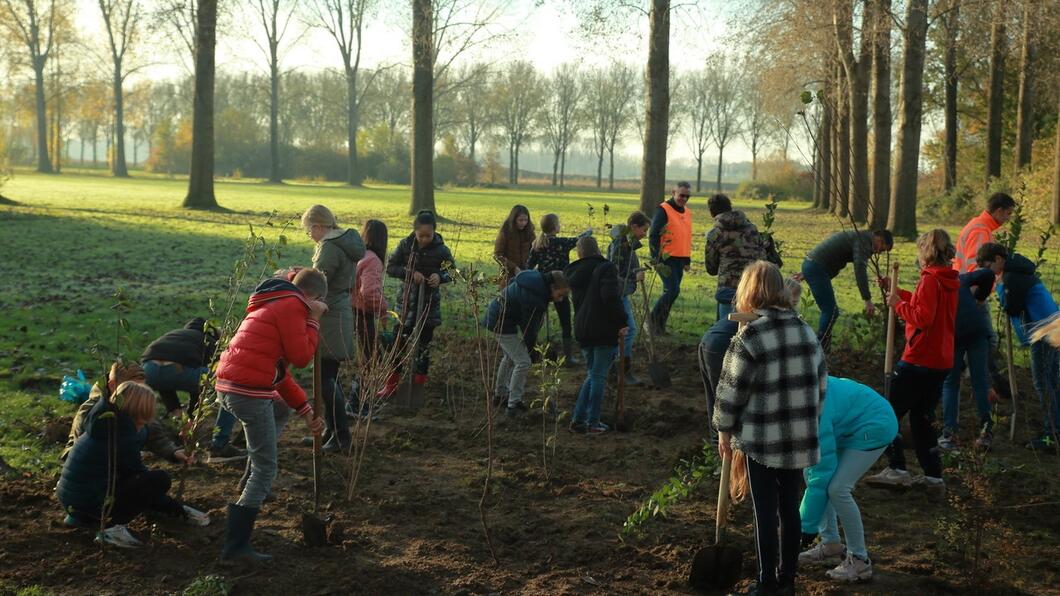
point(107, 454)
point(856, 425)
point(281, 328)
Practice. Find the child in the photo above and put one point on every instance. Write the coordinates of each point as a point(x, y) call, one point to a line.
point(108, 451)
point(768, 399)
point(552, 253)
point(280, 329)
point(929, 315)
point(511, 249)
point(1029, 304)
point(518, 308)
point(856, 425)
point(369, 302)
point(732, 244)
point(420, 258)
point(336, 256)
point(971, 342)
point(625, 240)
point(600, 322)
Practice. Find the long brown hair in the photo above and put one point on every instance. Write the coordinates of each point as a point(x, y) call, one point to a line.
point(375, 237)
point(549, 227)
point(509, 224)
point(761, 286)
point(935, 248)
point(738, 484)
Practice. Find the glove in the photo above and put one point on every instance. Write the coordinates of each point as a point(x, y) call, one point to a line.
point(808, 540)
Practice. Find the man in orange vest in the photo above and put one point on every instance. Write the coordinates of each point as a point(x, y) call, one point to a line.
point(980, 230)
point(670, 241)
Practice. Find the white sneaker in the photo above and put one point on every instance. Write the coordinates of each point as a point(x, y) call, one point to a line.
point(852, 569)
point(118, 536)
point(947, 441)
point(195, 517)
point(890, 477)
point(822, 551)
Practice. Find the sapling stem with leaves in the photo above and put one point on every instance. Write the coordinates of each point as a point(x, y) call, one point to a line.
point(547, 371)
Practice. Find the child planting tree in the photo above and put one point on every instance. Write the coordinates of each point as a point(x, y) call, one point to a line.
point(551, 252)
point(625, 240)
point(369, 301)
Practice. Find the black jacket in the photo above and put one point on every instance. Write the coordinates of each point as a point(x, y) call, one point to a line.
point(598, 310)
point(190, 346)
point(407, 258)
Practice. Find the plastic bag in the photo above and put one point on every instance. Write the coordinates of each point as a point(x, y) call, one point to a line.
point(74, 390)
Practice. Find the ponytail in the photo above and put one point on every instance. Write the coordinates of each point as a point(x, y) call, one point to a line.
point(549, 227)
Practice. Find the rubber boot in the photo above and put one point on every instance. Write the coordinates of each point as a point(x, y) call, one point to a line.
point(570, 357)
point(631, 381)
point(237, 549)
point(391, 385)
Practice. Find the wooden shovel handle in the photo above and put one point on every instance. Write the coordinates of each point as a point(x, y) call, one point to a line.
point(888, 362)
point(318, 406)
point(1011, 381)
point(723, 498)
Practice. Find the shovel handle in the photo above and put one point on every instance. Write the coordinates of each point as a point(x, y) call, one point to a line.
point(318, 404)
point(621, 399)
point(888, 361)
point(1011, 381)
point(723, 498)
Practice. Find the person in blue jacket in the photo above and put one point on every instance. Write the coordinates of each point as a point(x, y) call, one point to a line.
point(855, 427)
point(519, 308)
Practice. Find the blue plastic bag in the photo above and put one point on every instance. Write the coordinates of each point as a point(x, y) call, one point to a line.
point(73, 390)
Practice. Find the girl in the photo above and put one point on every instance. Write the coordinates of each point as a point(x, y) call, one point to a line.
point(600, 321)
point(421, 259)
point(625, 240)
point(336, 256)
point(929, 315)
point(512, 247)
point(552, 253)
point(856, 425)
point(369, 303)
point(768, 400)
point(114, 432)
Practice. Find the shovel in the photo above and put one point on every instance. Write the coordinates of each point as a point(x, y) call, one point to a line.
point(888, 359)
point(718, 567)
point(315, 527)
point(409, 394)
point(659, 373)
point(620, 402)
point(1011, 382)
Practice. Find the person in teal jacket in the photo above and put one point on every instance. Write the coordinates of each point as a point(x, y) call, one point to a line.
point(856, 426)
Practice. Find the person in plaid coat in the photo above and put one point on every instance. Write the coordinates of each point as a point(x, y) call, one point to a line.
point(769, 397)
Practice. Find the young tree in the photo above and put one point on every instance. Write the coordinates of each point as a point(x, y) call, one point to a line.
point(657, 108)
point(32, 23)
point(122, 22)
point(598, 106)
point(275, 18)
point(756, 117)
point(697, 106)
point(880, 193)
point(725, 82)
point(422, 106)
point(561, 116)
point(623, 91)
point(1025, 107)
point(517, 100)
point(200, 180)
point(474, 114)
point(902, 217)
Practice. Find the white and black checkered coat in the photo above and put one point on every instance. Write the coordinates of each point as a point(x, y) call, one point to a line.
point(770, 391)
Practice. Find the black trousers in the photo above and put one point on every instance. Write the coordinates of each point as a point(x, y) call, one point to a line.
point(135, 494)
point(334, 409)
point(776, 494)
point(916, 391)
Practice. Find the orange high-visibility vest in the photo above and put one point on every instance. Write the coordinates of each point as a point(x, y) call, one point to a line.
point(976, 233)
point(676, 238)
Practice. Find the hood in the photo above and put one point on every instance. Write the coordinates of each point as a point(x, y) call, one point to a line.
point(350, 243)
point(731, 220)
point(947, 276)
point(196, 324)
point(580, 272)
point(1017, 263)
point(533, 282)
point(274, 289)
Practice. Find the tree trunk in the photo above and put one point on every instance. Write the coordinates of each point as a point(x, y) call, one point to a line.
point(825, 147)
point(611, 168)
point(996, 95)
point(44, 163)
point(880, 198)
point(95, 150)
point(842, 207)
point(699, 172)
point(857, 83)
point(721, 155)
point(423, 106)
point(200, 173)
point(1056, 171)
point(600, 170)
point(754, 160)
point(511, 163)
point(353, 116)
point(833, 140)
point(515, 171)
point(657, 114)
point(118, 167)
point(562, 168)
point(82, 160)
point(555, 168)
point(902, 218)
point(274, 118)
point(1025, 110)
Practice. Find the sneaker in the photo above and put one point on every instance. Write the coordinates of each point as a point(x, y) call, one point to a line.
point(947, 440)
point(596, 428)
point(891, 478)
point(577, 428)
point(822, 551)
point(72, 522)
point(119, 536)
point(195, 517)
point(985, 440)
point(935, 487)
point(852, 569)
point(225, 454)
point(516, 411)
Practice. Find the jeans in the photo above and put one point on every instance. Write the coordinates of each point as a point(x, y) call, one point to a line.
point(776, 491)
point(631, 324)
point(660, 313)
point(977, 350)
point(1046, 376)
point(824, 295)
point(259, 425)
point(724, 297)
point(222, 431)
point(591, 396)
point(280, 414)
point(710, 372)
point(334, 409)
point(852, 465)
point(916, 390)
point(512, 370)
point(132, 496)
point(168, 379)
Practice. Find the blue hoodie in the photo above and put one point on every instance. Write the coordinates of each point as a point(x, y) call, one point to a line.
point(1024, 297)
point(853, 417)
point(525, 299)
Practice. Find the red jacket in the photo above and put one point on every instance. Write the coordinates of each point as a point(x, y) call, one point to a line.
point(277, 331)
point(929, 314)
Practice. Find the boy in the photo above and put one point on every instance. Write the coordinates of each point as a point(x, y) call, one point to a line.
point(625, 240)
point(281, 328)
point(732, 244)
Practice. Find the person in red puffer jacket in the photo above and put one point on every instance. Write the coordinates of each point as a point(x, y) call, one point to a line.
point(281, 328)
point(929, 314)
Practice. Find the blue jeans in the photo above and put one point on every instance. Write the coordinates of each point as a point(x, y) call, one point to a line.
point(852, 466)
point(977, 349)
point(823, 294)
point(660, 313)
point(591, 396)
point(631, 323)
point(1045, 370)
point(259, 425)
point(222, 430)
point(168, 379)
point(724, 298)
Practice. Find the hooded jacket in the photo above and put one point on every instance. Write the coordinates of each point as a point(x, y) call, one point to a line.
point(598, 310)
point(733, 244)
point(975, 233)
point(407, 258)
point(336, 257)
point(512, 250)
point(842, 248)
point(157, 441)
point(519, 306)
point(972, 320)
point(190, 346)
point(367, 293)
point(1023, 296)
point(276, 332)
point(929, 313)
point(623, 253)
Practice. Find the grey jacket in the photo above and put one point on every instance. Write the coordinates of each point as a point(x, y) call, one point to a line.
point(336, 257)
point(623, 253)
point(843, 248)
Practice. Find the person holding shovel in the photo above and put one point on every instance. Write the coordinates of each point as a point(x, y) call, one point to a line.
point(769, 395)
point(625, 241)
point(551, 252)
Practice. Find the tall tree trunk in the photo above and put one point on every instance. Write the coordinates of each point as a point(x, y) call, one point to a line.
point(721, 155)
point(511, 163)
point(835, 195)
point(423, 107)
point(902, 218)
point(824, 141)
point(555, 168)
point(1056, 169)
point(611, 169)
point(842, 207)
point(1025, 111)
point(515, 171)
point(200, 174)
point(353, 117)
point(275, 176)
point(657, 114)
point(119, 167)
point(881, 115)
point(44, 163)
point(857, 83)
point(699, 172)
point(562, 168)
point(996, 94)
point(600, 170)
point(950, 81)
point(81, 161)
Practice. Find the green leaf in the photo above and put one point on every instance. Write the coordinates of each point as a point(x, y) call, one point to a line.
point(806, 97)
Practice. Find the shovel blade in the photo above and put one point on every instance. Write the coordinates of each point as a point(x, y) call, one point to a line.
point(315, 529)
point(660, 376)
point(716, 567)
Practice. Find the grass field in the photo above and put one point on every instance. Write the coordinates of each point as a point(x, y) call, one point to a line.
point(72, 240)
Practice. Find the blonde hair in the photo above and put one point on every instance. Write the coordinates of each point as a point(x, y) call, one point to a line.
point(319, 215)
point(935, 248)
point(122, 371)
point(738, 484)
point(761, 286)
point(794, 290)
point(549, 227)
point(136, 400)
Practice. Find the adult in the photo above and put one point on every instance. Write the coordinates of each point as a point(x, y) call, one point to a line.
point(625, 241)
point(512, 246)
point(336, 255)
point(830, 257)
point(670, 243)
point(980, 230)
point(732, 244)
